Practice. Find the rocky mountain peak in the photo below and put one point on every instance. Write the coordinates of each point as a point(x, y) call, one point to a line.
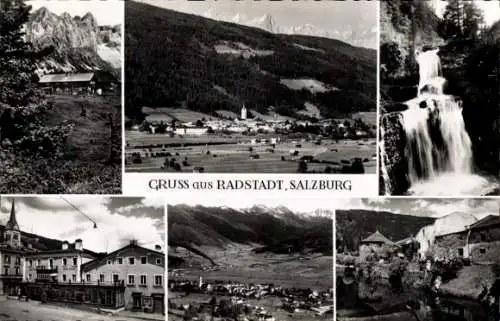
point(89, 20)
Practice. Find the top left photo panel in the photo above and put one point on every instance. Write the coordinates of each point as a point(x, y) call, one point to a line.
point(60, 96)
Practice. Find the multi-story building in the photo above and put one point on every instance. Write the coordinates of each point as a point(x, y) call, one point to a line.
point(142, 271)
point(61, 265)
point(50, 270)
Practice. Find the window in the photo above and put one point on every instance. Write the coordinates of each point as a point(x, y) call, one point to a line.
point(7, 259)
point(17, 271)
point(131, 279)
point(18, 260)
point(483, 237)
point(31, 263)
point(461, 252)
point(73, 277)
point(482, 250)
point(6, 271)
point(29, 276)
point(64, 277)
point(158, 280)
point(109, 261)
point(158, 261)
point(75, 261)
point(87, 277)
point(101, 277)
point(143, 260)
point(65, 262)
point(38, 262)
point(115, 278)
point(131, 260)
point(120, 260)
point(51, 263)
point(15, 237)
point(143, 280)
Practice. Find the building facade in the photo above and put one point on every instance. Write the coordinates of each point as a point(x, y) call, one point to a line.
point(141, 270)
point(53, 271)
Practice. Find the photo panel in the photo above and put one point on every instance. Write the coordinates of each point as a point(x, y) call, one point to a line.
point(417, 258)
point(82, 258)
point(251, 87)
point(250, 260)
point(60, 101)
point(439, 98)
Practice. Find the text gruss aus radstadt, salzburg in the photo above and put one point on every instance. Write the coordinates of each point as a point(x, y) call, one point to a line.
point(251, 184)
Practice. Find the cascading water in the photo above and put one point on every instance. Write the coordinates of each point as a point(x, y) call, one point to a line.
point(438, 147)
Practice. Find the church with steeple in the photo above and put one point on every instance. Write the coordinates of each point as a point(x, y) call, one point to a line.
point(12, 234)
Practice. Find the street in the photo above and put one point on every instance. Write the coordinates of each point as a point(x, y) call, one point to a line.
point(13, 310)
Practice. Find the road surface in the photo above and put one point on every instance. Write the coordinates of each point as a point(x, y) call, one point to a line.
point(13, 310)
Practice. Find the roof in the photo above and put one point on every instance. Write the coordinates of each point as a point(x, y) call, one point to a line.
point(77, 77)
point(488, 221)
point(377, 237)
point(95, 263)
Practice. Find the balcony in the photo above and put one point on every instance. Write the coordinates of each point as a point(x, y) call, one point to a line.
point(46, 270)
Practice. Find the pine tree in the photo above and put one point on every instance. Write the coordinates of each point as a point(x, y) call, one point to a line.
point(24, 138)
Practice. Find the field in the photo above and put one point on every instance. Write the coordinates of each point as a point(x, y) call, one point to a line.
point(84, 167)
point(231, 154)
point(238, 264)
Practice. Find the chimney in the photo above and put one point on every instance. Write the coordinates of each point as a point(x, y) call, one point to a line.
point(157, 248)
point(78, 245)
point(133, 242)
point(65, 245)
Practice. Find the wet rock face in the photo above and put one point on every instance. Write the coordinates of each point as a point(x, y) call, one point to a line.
point(393, 135)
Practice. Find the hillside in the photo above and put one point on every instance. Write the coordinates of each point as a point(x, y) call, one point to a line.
point(78, 43)
point(175, 59)
point(266, 230)
point(354, 225)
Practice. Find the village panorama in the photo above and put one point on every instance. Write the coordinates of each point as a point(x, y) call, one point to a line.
point(242, 95)
point(89, 267)
point(418, 259)
point(256, 263)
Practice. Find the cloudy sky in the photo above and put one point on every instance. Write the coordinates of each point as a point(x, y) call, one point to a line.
point(109, 12)
point(341, 16)
point(490, 9)
point(422, 206)
point(119, 219)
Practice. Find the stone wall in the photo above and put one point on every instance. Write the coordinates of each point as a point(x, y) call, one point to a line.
point(485, 252)
point(449, 246)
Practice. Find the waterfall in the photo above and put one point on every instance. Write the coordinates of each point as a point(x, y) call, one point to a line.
point(438, 147)
point(383, 159)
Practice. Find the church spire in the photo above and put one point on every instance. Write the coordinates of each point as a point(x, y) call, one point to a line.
point(12, 223)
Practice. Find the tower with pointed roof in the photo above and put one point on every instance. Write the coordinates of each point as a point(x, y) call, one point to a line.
point(12, 232)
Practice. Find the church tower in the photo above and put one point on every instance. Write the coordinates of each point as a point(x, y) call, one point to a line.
point(12, 232)
point(243, 113)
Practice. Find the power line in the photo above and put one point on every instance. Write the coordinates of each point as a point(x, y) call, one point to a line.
point(79, 211)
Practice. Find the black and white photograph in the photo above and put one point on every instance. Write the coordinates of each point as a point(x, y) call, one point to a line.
point(241, 261)
point(251, 86)
point(76, 258)
point(422, 259)
point(439, 98)
point(60, 97)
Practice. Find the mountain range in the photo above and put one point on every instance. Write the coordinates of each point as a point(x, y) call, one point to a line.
point(267, 22)
point(267, 230)
point(207, 65)
point(79, 43)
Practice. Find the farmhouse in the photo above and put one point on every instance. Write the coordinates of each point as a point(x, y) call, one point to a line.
point(376, 244)
point(479, 242)
point(96, 82)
